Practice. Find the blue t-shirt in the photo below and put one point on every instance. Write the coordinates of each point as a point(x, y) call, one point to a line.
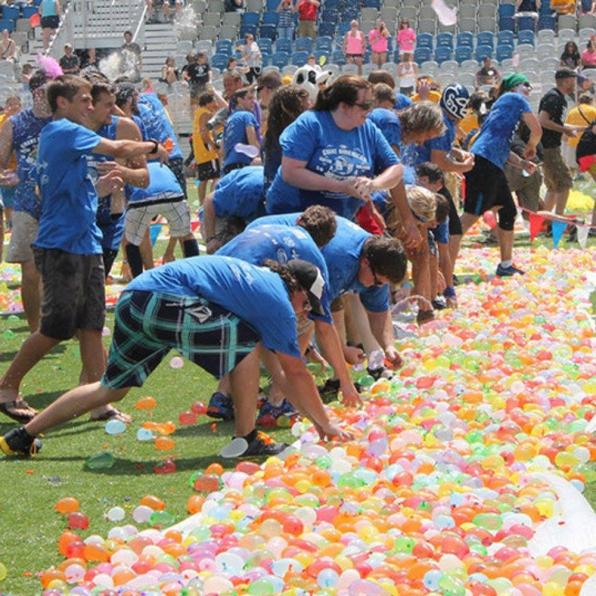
point(414, 154)
point(389, 124)
point(157, 124)
point(112, 228)
point(271, 162)
point(441, 232)
point(26, 128)
point(163, 185)
point(255, 294)
point(342, 256)
point(240, 193)
point(280, 243)
point(314, 138)
point(48, 8)
point(402, 102)
point(282, 219)
point(68, 197)
point(498, 129)
point(235, 132)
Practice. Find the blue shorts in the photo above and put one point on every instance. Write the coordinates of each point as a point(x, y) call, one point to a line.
point(149, 324)
point(8, 195)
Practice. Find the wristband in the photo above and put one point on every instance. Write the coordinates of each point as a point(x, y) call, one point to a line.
point(449, 292)
point(155, 147)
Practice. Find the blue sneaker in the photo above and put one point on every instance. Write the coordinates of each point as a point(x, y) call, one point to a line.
point(508, 271)
point(220, 406)
point(269, 414)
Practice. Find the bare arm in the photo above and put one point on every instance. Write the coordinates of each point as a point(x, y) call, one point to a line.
point(400, 200)
point(5, 155)
point(134, 171)
point(251, 135)
point(442, 159)
point(382, 328)
point(208, 227)
point(204, 131)
point(129, 149)
point(533, 123)
point(544, 119)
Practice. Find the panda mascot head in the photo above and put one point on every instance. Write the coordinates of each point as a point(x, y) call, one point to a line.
point(309, 77)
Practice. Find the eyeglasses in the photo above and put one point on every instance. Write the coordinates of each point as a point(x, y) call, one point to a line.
point(377, 282)
point(365, 106)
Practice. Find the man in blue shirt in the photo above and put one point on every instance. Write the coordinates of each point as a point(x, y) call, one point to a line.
point(229, 310)
point(68, 249)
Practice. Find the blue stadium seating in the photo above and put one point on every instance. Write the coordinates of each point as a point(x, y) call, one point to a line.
point(270, 17)
point(268, 31)
point(483, 52)
point(444, 40)
point(318, 54)
point(303, 44)
point(504, 51)
point(284, 45)
point(344, 27)
point(223, 46)
point(338, 58)
point(324, 43)
point(7, 24)
point(485, 38)
point(251, 18)
point(545, 8)
point(10, 12)
point(219, 60)
point(463, 53)
point(465, 39)
point(327, 29)
point(424, 40)
point(506, 38)
point(330, 14)
point(265, 58)
point(525, 37)
point(373, 4)
point(265, 45)
point(272, 4)
point(29, 11)
point(280, 59)
point(506, 24)
point(547, 22)
point(421, 55)
point(526, 23)
point(506, 10)
point(299, 58)
point(442, 54)
point(244, 29)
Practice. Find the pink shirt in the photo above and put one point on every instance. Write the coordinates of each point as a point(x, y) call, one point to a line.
point(406, 39)
point(378, 42)
point(589, 57)
point(355, 43)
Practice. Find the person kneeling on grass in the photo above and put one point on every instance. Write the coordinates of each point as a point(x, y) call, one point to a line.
point(218, 312)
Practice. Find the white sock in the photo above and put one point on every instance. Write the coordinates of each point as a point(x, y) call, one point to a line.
point(506, 264)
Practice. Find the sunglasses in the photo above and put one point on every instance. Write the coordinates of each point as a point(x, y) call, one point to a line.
point(377, 282)
point(365, 106)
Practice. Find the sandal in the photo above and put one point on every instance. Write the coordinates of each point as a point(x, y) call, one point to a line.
point(112, 414)
point(19, 410)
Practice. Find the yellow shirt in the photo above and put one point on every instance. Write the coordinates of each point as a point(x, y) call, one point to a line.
point(575, 118)
point(202, 153)
point(469, 122)
point(433, 96)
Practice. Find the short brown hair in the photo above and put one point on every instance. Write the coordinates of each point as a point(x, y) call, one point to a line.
point(206, 98)
point(344, 89)
point(382, 93)
point(66, 86)
point(320, 223)
point(386, 257)
point(381, 76)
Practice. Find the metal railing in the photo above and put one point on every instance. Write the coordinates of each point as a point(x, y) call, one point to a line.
point(64, 34)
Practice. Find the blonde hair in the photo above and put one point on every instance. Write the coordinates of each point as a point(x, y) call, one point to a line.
point(423, 204)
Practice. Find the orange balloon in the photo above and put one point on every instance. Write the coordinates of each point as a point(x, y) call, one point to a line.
point(164, 444)
point(146, 403)
point(67, 505)
point(66, 539)
point(123, 577)
point(153, 502)
point(96, 552)
point(50, 575)
point(215, 468)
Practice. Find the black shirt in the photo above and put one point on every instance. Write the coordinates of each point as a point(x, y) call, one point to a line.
point(67, 63)
point(555, 104)
point(198, 74)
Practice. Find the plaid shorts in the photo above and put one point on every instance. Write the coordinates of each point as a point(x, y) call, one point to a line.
point(149, 324)
point(139, 216)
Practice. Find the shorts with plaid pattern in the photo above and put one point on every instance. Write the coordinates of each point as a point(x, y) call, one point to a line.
point(138, 218)
point(149, 324)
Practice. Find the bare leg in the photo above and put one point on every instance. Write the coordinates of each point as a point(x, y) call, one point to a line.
point(35, 347)
point(202, 191)
point(245, 389)
point(360, 319)
point(74, 403)
point(454, 246)
point(505, 238)
point(31, 294)
point(147, 252)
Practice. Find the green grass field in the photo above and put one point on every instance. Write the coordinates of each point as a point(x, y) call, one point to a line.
point(29, 525)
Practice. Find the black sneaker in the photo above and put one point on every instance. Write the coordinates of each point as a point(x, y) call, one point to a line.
point(508, 271)
point(263, 444)
point(18, 442)
point(221, 406)
point(439, 304)
point(330, 390)
point(377, 373)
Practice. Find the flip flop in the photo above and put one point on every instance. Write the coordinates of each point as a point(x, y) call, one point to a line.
point(19, 410)
point(112, 414)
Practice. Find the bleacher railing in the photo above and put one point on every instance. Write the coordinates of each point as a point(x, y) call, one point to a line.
point(64, 34)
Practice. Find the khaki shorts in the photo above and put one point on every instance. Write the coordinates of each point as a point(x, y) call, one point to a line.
point(24, 233)
point(557, 175)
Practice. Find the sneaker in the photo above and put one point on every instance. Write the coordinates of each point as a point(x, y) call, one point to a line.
point(489, 240)
point(269, 413)
point(18, 442)
point(330, 390)
point(508, 271)
point(263, 444)
point(439, 304)
point(220, 406)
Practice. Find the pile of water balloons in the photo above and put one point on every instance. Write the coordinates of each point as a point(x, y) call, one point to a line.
point(446, 489)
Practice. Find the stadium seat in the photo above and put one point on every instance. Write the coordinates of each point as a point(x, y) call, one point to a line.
point(587, 21)
point(268, 31)
point(584, 36)
point(212, 18)
point(280, 59)
point(219, 61)
point(7, 24)
point(228, 32)
point(324, 44)
point(485, 38)
point(549, 35)
point(29, 11)
point(10, 12)
point(467, 11)
point(506, 10)
point(270, 18)
point(369, 14)
point(469, 65)
point(505, 38)
point(244, 29)
point(271, 5)
point(442, 54)
point(421, 55)
point(552, 64)
point(223, 46)
point(322, 55)
point(526, 24)
point(427, 26)
point(546, 50)
point(465, 39)
point(232, 19)
point(299, 58)
point(284, 45)
point(504, 52)
point(463, 53)
point(327, 29)
point(265, 45)
point(373, 4)
point(484, 51)
point(467, 25)
point(547, 22)
point(424, 40)
point(251, 18)
point(525, 37)
point(567, 21)
point(444, 40)
point(208, 33)
point(506, 24)
point(338, 58)
point(566, 35)
point(303, 44)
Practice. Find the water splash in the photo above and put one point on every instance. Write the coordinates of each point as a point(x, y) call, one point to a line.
point(185, 23)
point(118, 64)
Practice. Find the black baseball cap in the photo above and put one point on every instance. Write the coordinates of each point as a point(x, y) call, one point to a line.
point(310, 279)
point(565, 73)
